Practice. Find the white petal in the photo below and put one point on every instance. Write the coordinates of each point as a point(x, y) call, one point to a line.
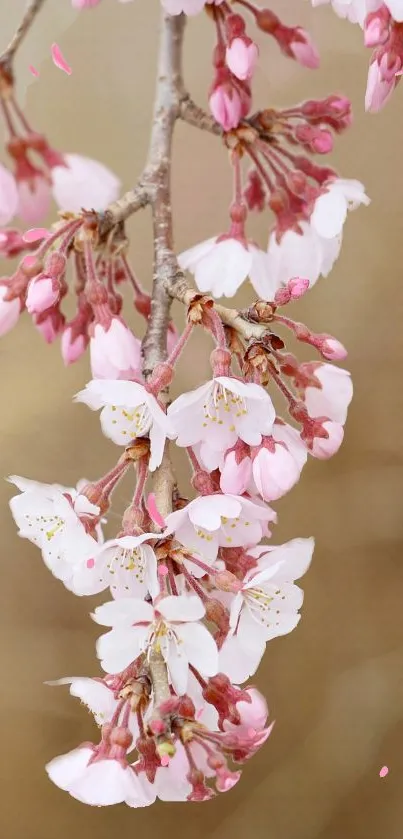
point(181, 608)
point(65, 769)
point(123, 612)
point(200, 647)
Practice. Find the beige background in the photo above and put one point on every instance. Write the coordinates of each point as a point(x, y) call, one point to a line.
point(335, 686)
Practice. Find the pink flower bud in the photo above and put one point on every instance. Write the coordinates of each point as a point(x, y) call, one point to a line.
point(50, 325)
point(72, 348)
point(9, 311)
point(241, 57)
point(236, 472)
point(325, 447)
point(377, 27)
point(226, 107)
point(332, 349)
point(8, 196)
point(303, 49)
point(275, 470)
point(253, 714)
point(42, 294)
point(379, 90)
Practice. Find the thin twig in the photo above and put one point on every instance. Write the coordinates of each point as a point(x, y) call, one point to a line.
point(193, 115)
point(30, 14)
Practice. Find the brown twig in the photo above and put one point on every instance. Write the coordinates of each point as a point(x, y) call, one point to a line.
point(30, 14)
point(158, 179)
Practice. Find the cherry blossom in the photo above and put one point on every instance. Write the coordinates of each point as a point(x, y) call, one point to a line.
point(128, 411)
point(330, 210)
point(127, 565)
point(354, 10)
point(266, 606)
point(379, 89)
point(221, 264)
point(172, 627)
point(218, 413)
point(329, 392)
point(83, 182)
point(53, 518)
point(304, 254)
point(213, 521)
point(96, 781)
point(114, 351)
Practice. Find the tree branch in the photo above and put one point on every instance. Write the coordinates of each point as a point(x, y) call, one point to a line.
point(193, 115)
point(30, 14)
point(157, 178)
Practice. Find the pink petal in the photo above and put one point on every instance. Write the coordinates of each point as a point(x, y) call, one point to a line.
point(59, 59)
point(383, 772)
point(33, 70)
point(153, 511)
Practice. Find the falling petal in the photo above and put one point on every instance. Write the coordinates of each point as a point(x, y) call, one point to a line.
point(33, 70)
point(384, 771)
point(153, 511)
point(59, 59)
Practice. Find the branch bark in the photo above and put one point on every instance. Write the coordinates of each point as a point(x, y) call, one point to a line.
point(157, 179)
point(30, 14)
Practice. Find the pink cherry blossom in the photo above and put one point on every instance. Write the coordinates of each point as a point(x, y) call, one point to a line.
point(8, 196)
point(330, 393)
point(172, 624)
point(275, 471)
point(218, 413)
point(114, 351)
point(379, 89)
point(128, 411)
point(325, 447)
point(34, 195)
point(9, 310)
point(83, 183)
point(220, 265)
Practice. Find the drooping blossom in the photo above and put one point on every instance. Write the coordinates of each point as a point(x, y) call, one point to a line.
point(329, 391)
point(128, 411)
point(97, 780)
point(83, 183)
point(56, 519)
point(354, 10)
point(114, 350)
point(220, 412)
point(172, 626)
point(266, 606)
point(220, 265)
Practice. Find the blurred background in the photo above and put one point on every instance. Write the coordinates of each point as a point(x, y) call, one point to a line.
point(334, 686)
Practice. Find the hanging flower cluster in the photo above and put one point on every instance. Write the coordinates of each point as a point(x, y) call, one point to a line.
point(196, 587)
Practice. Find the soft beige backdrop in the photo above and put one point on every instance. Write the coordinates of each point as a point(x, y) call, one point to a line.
point(335, 686)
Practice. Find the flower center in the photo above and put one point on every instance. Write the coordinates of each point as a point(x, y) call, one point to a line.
point(223, 407)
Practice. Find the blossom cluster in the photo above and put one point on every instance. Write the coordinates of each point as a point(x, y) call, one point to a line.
point(196, 587)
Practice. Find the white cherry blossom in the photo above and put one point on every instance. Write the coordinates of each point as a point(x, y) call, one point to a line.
point(126, 565)
point(128, 411)
point(49, 515)
point(171, 627)
point(333, 394)
point(96, 781)
point(213, 521)
point(220, 412)
point(305, 254)
point(331, 207)
point(220, 265)
point(355, 10)
point(266, 606)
